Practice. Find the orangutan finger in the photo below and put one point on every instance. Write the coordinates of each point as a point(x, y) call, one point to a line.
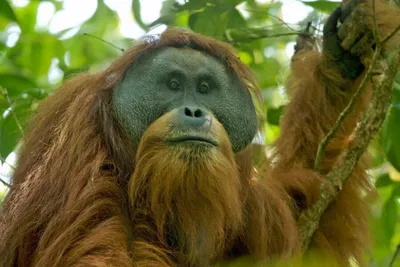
point(347, 9)
point(349, 34)
point(353, 27)
point(330, 27)
point(363, 45)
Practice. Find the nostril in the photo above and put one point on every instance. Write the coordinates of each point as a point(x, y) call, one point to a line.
point(188, 112)
point(194, 117)
point(198, 113)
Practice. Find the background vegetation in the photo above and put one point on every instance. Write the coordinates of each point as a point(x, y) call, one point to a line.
point(37, 55)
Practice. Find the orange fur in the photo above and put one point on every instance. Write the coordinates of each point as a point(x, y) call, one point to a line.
point(195, 194)
point(77, 196)
point(83, 195)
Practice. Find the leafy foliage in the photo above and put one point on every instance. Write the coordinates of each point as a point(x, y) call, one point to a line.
point(34, 60)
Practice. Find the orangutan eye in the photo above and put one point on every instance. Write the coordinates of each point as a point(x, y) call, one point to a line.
point(173, 84)
point(203, 88)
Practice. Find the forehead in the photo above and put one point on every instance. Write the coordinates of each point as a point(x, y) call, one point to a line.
point(186, 59)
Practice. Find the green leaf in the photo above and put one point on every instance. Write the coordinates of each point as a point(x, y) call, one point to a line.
point(192, 5)
point(396, 192)
point(16, 84)
point(138, 17)
point(266, 72)
point(85, 51)
point(6, 11)
point(396, 86)
point(274, 115)
point(323, 6)
point(42, 49)
point(389, 218)
point(235, 19)
point(167, 20)
point(29, 15)
point(383, 180)
point(209, 22)
point(390, 133)
point(228, 3)
point(10, 133)
point(37, 93)
point(3, 105)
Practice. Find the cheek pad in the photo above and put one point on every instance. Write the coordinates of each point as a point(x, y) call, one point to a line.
point(137, 109)
point(137, 106)
point(238, 116)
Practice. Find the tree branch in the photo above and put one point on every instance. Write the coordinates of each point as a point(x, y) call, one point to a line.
point(387, 38)
point(349, 108)
point(363, 134)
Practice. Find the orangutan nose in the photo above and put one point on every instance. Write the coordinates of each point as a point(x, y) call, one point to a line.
point(193, 117)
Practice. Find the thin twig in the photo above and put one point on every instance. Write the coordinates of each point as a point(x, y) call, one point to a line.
point(104, 41)
point(395, 255)
point(279, 19)
point(278, 35)
point(4, 160)
point(263, 13)
point(387, 38)
point(349, 108)
point(257, 36)
point(5, 183)
point(5, 92)
point(375, 30)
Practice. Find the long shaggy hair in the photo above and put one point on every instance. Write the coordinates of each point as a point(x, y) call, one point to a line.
point(193, 193)
point(84, 195)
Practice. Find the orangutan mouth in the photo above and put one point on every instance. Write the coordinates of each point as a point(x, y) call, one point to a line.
point(193, 139)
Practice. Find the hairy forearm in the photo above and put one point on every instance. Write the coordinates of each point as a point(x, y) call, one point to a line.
point(318, 94)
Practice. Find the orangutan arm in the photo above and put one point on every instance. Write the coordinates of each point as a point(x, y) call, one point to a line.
point(322, 84)
point(320, 88)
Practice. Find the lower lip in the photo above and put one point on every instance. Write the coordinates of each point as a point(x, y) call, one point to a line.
point(193, 141)
point(197, 142)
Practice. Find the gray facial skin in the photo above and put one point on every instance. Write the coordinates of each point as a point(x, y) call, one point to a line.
point(172, 78)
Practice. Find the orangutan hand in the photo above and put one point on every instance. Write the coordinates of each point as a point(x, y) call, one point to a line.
point(353, 39)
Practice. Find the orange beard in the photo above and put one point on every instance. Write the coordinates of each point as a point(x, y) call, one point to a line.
point(190, 194)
